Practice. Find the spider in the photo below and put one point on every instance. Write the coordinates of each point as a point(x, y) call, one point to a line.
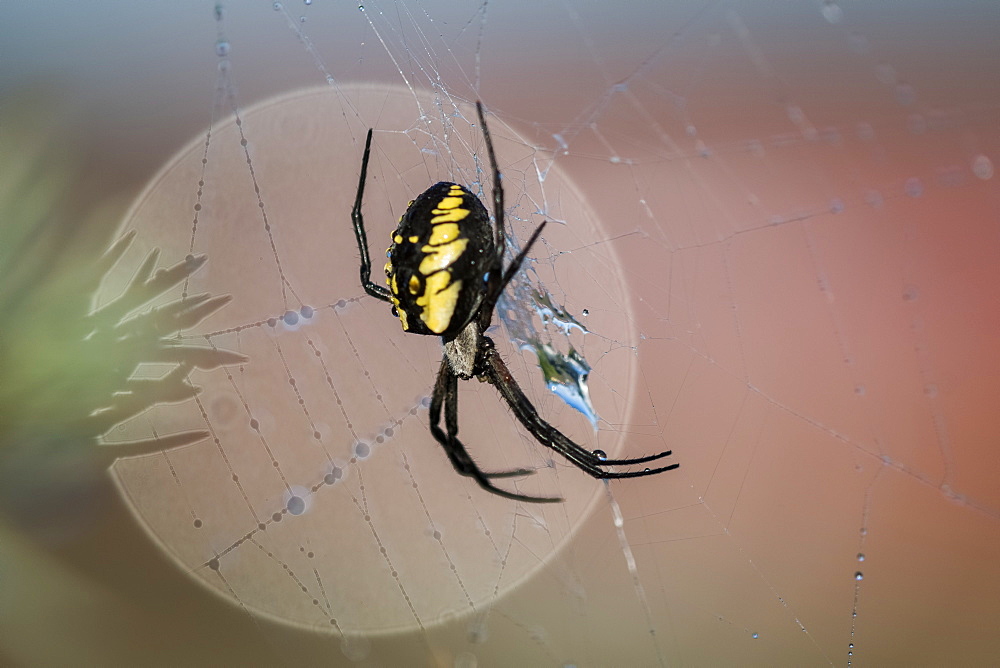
point(445, 274)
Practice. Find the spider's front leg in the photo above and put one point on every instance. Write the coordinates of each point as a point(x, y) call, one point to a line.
point(446, 392)
point(492, 368)
point(358, 219)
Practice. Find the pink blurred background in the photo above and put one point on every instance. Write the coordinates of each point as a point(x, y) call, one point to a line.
point(799, 202)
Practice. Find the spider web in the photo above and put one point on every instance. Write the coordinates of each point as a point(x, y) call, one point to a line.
point(778, 227)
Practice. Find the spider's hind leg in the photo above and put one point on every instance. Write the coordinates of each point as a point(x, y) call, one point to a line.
point(446, 392)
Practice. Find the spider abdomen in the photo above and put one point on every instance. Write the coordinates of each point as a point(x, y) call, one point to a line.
point(441, 251)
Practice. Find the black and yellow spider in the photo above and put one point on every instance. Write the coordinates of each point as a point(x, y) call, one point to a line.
point(445, 274)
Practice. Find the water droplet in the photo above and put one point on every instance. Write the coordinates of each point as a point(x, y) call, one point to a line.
point(307, 312)
point(982, 167)
point(478, 632)
point(859, 576)
point(832, 12)
point(222, 48)
point(197, 524)
point(600, 454)
point(362, 449)
point(836, 205)
point(911, 293)
point(308, 2)
point(254, 424)
point(290, 317)
point(832, 136)
point(851, 645)
point(859, 43)
point(296, 505)
point(356, 647)
point(905, 94)
point(219, 11)
point(277, 6)
point(917, 124)
point(466, 660)
point(886, 74)
point(755, 636)
point(861, 556)
point(213, 564)
point(586, 312)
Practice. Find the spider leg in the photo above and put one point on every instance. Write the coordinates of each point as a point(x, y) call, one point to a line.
point(498, 280)
point(637, 460)
point(498, 235)
point(515, 264)
point(377, 291)
point(446, 392)
point(493, 292)
point(499, 375)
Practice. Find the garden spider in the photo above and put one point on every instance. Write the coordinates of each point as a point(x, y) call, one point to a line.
point(445, 274)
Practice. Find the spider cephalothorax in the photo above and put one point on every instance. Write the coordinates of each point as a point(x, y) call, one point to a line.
point(445, 273)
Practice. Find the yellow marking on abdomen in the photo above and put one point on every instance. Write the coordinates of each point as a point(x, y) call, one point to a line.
point(450, 202)
point(441, 257)
point(439, 301)
point(395, 302)
point(448, 215)
point(443, 233)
